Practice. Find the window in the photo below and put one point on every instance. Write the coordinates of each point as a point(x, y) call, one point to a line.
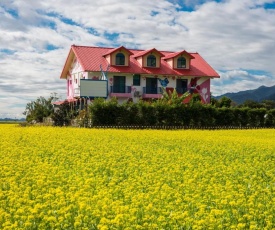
point(151, 61)
point(181, 86)
point(119, 84)
point(151, 85)
point(120, 59)
point(136, 79)
point(181, 63)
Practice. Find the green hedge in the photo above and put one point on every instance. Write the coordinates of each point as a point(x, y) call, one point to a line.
point(106, 113)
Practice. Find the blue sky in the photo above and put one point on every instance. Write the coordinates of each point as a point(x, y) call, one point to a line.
point(237, 38)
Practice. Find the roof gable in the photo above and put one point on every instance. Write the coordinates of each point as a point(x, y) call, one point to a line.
point(144, 52)
point(117, 49)
point(67, 64)
point(183, 52)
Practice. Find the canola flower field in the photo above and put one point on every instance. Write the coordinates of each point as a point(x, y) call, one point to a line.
point(71, 178)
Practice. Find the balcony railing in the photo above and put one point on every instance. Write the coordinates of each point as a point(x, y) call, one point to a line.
point(181, 90)
point(149, 90)
point(118, 91)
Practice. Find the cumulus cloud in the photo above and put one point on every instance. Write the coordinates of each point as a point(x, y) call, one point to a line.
point(235, 37)
point(239, 80)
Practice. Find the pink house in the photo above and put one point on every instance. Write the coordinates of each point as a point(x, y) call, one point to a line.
point(123, 73)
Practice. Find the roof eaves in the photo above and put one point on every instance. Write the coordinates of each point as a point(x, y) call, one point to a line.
point(77, 56)
point(64, 72)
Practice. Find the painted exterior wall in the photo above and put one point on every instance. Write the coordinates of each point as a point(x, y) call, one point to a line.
point(108, 58)
point(170, 62)
point(200, 85)
point(93, 75)
point(73, 79)
point(140, 61)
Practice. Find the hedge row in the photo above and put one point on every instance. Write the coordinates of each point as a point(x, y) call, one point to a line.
point(110, 113)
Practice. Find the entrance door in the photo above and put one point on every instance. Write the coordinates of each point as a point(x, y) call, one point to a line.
point(181, 86)
point(151, 85)
point(119, 84)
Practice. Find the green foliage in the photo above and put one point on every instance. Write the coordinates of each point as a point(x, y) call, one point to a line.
point(214, 102)
point(256, 117)
point(196, 99)
point(224, 102)
point(172, 98)
point(83, 118)
point(170, 111)
point(224, 117)
point(267, 104)
point(40, 108)
point(270, 118)
point(63, 115)
point(165, 113)
point(104, 112)
point(250, 104)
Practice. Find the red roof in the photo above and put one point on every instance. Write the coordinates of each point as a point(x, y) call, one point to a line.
point(172, 55)
point(115, 49)
point(65, 101)
point(90, 59)
point(144, 52)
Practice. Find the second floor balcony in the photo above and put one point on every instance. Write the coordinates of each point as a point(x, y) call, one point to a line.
point(152, 92)
point(120, 91)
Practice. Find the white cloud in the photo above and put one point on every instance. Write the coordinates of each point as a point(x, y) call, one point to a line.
point(239, 80)
point(232, 36)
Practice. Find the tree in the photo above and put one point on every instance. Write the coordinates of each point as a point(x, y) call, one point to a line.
point(62, 116)
point(214, 102)
point(225, 102)
point(40, 108)
point(268, 104)
point(172, 98)
point(251, 104)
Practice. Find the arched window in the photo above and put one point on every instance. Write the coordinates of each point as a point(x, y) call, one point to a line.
point(151, 61)
point(120, 59)
point(181, 63)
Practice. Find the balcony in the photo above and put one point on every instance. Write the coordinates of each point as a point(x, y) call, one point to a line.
point(152, 92)
point(120, 91)
point(181, 90)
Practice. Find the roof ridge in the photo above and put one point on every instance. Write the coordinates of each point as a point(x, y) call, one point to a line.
point(102, 47)
point(90, 46)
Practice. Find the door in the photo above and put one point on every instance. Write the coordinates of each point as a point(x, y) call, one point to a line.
point(119, 84)
point(151, 85)
point(181, 86)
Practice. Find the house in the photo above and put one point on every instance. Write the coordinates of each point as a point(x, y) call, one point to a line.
point(123, 73)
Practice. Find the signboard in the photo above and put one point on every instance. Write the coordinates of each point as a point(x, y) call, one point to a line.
point(93, 88)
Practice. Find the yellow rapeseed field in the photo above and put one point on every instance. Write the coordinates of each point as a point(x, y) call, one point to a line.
point(72, 178)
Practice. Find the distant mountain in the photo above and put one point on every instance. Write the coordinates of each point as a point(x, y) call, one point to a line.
point(259, 94)
point(12, 119)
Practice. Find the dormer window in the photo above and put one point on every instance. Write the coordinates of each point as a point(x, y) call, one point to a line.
point(151, 61)
point(181, 63)
point(120, 59)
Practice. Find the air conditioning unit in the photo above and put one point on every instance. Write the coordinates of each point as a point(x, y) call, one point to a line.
point(137, 94)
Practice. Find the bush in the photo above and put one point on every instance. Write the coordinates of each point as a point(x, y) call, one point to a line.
point(63, 115)
point(165, 113)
